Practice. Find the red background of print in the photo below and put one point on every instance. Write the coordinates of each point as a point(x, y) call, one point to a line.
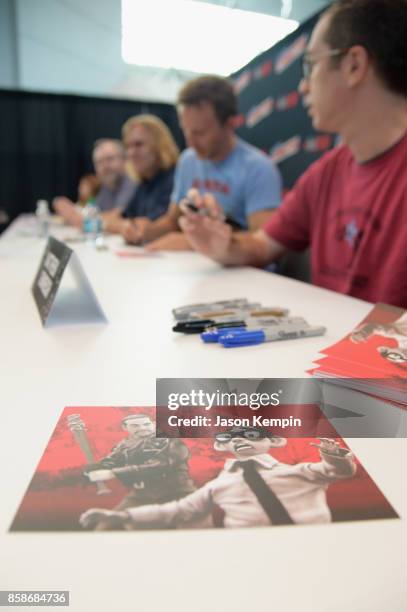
point(59, 492)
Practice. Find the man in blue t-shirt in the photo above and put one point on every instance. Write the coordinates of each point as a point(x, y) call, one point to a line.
point(243, 180)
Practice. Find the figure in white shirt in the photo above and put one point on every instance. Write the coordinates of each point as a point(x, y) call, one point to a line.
point(253, 489)
point(396, 330)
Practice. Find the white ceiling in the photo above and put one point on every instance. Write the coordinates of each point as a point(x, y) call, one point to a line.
point(74, 46)
point(299, 10)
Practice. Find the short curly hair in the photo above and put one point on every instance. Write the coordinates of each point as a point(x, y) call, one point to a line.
point(380, 26)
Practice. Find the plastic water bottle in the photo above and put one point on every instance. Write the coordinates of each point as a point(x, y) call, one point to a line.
point(92, 223)
point(43, 218)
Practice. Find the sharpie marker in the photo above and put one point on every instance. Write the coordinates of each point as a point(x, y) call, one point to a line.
point(197, 327)
point(258, 336)
point(205, 213)
point(213, 333)
point(251, 311)
point(233, 319)
point(195, 310)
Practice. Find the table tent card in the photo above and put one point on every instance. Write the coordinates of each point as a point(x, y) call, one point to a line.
point(62, 291)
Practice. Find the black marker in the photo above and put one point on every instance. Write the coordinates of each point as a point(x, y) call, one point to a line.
point(205, 213)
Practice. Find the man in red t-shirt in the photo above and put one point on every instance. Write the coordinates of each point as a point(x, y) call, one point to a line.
point(350, 206)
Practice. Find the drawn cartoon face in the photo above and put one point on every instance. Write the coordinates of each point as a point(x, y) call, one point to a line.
point(394, 355)
point(241, 447)
point(247, 442)
point(139, 426)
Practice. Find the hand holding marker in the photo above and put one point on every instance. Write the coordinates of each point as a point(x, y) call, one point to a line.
point(191, 206)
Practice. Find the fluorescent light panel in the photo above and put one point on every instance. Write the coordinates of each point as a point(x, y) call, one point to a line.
point(196, 36)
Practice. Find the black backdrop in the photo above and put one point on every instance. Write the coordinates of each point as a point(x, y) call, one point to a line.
point(272, 116)
point(46, 140)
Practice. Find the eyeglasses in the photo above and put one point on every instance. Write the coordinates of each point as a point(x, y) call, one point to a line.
point(248, 434)
point(103, 160)
point(308, 62)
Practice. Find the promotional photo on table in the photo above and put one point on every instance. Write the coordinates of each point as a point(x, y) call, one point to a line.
point(204, 314)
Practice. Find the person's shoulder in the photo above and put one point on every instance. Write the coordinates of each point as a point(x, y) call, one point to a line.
point(254, 159)
point(128, 184)
point(330, 162)
point(338, 152)
point(167, 175)
point(250, 153)
point(187, 156)
point(128, 180)
point(175, 443)
point(120, 445)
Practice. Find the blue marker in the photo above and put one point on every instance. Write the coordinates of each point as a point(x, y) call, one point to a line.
point(258, 336)
point(214, 335)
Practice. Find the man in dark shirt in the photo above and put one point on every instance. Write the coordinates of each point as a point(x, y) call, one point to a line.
point(154, 470)
point(151, 197)
point(116, 188)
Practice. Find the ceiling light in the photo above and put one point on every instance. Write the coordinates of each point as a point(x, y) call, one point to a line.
point(196, 36)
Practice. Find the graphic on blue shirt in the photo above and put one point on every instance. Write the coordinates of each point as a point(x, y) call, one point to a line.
point(245, 182)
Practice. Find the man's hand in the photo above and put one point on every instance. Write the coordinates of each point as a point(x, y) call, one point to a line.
point(134, 230)
point(113, 222)
point(207, 233)
point(68, 211)
point(91, 517)
point(329, 446)
point(363, 332)
point(336, 456)
point(100, 475)
point(174, 241)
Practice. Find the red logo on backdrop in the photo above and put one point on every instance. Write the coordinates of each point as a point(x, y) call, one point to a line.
point(290, 100)
point(284, 150)
point(318, 143)
point(242, 81)
point(259, 112)
point(239, 120)
point(291, 53)
point(263, 70)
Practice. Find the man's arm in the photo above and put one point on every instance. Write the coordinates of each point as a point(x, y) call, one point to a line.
point(194, 506)
point(112, 220)
point(212, 237)
point(141, 229)
point(69, 211)
point(174, 241)
point(336, 461)
point(257, 219)
point(178, 241)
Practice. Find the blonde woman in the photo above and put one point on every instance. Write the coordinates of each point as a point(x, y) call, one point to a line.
point(151, 157)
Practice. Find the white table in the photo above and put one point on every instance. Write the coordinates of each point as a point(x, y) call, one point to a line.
point(344, 566)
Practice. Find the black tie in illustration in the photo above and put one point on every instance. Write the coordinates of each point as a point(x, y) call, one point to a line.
point(270, 503)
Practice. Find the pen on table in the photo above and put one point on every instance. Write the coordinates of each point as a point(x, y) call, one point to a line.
point(233, 314)
point(212, 333)
point(185, 311)
point(258, 336)
point(200, 325)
